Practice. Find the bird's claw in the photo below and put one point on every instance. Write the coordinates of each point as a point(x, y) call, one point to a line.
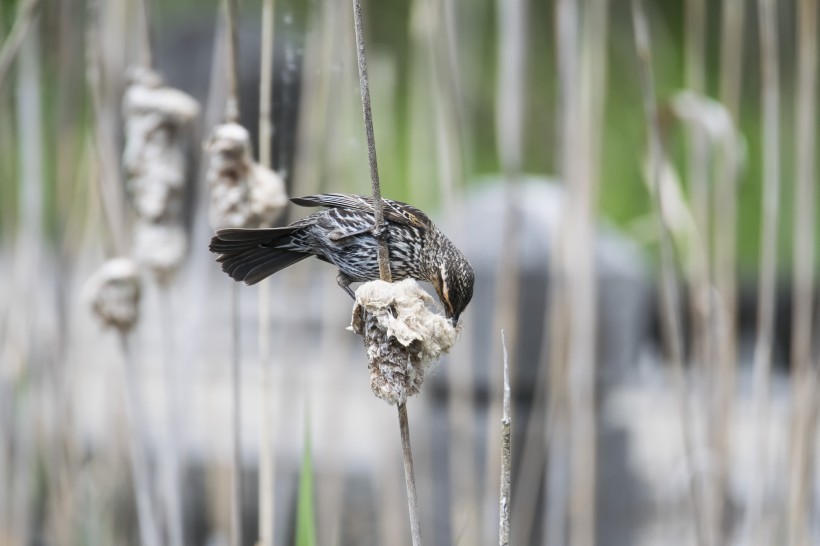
point(379, 232)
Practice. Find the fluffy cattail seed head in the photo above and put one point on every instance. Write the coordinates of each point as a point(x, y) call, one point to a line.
point(243, 193)
point(403, 336)
point(155, 160)
point(155, 145)
point(114, 292)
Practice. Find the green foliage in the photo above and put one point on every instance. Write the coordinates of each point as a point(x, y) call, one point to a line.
point(305, 510)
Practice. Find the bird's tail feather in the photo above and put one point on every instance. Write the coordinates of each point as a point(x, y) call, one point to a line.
point(250, 255)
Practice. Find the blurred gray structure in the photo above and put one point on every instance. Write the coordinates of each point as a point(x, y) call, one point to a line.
point(624, 299)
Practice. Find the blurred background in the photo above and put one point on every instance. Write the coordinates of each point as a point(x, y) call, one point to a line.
point(643, 232)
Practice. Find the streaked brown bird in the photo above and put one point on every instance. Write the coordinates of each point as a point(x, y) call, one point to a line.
point(342, 235)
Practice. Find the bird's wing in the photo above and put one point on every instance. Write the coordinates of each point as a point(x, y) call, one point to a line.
point(394, 211)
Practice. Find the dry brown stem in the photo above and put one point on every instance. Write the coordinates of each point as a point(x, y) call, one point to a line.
point(670, 298)
point(384, 258)
point(803, 420)
point(770, 99)
point(505, 496)
point(267, 451)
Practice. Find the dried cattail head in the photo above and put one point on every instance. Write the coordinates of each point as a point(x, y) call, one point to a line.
point(160, 247)
point(243, 194)
point(403, 336)
point(155, 145)
point(114, 292)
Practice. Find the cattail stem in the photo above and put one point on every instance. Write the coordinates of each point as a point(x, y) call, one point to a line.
point(670, 298)
point(11, 46)
point(725, 229)
point(510, 98)
point(146, 516)
point(109, 173)
point(170, 449)
point(384, 260)
point(236, 452)
point(230, 10)
point(232, 42)
point(266, 462)
point(409, 475)
point(378, 207)
point(148, 38)
point(803, 283)
point(506, 457)
point(770, 97)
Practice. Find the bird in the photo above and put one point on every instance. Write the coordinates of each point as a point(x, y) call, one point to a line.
point(343, 234)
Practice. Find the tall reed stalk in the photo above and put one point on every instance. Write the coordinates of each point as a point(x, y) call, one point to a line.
point(804, 374)
point(169, 450)
point(755, 530)
point(670, 297)
point(509, 115)
point(384, 260)
point(267, 451)
point(727, 170)
point(137, 443)
point(505, 497)
point(557, 419)
point(111, 186)
point(699, 273)
point(581, 178)
point(230, 11)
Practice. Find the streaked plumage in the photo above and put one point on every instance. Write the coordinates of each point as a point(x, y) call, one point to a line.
point(342, 235)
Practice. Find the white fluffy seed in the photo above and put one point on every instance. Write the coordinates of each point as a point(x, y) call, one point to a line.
point(113, 292)
point(403, 336)
point(243, 193)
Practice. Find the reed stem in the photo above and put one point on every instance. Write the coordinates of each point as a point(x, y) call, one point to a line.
point(267, 453)
point(505, 496)
point(770, 109)
point(137, 443)
point(384, 260)
point(670, 297)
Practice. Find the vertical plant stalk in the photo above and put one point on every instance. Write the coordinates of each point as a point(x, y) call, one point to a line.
point(670, 297)
point(11, 46)
point(232, 57)
point(557, 419)
point(803, 420)
point(724, 258)
point(170, 450)
point(232, 116)
point(770, 97)
point(505, 496)
point(109, 173)
point(384, 260)
point(148, 38)
point(137, 443)
point(582, 191)
point(236, 393)
point(446, 137)
point(378, 207)
point(699, 270)
point(266, 462)
point(509, 115)
point(28, 262)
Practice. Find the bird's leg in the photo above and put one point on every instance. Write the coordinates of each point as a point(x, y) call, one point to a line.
point(378, 232)
point(344, 281)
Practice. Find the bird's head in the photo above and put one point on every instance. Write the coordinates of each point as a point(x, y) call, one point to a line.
point(453, 281)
